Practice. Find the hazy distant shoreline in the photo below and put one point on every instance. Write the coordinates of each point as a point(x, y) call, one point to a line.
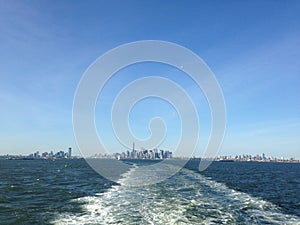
point(20, 157)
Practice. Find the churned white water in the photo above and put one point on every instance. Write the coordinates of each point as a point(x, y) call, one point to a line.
point(186, 198)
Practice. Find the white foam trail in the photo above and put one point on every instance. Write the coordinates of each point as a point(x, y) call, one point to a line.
point(187, 198)
point(256, 208)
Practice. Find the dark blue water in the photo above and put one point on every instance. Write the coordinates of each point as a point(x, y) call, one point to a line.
point(70, 192)
point(278, 183)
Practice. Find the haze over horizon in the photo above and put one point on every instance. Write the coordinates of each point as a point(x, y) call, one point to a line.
point(253, 48)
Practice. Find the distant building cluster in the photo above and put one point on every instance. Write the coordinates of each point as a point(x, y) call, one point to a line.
point(257, 158)
point(142, 154)
point(152, 154)
point(50, 155)
point(45, 155)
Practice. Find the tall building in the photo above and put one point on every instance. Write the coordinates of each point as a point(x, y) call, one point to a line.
point(70, 153)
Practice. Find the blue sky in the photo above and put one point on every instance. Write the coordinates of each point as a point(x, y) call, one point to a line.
point(253, 48)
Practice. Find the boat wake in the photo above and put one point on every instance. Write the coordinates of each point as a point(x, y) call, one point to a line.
point(186, 198)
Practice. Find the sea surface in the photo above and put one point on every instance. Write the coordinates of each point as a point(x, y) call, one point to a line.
point(70, 192)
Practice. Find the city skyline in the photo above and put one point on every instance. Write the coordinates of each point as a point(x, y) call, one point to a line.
point(144, 153)
point(251, 47)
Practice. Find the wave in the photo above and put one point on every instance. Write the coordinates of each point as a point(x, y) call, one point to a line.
point(186, 198)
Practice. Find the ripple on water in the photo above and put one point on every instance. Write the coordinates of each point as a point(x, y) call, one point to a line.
point(186, 198)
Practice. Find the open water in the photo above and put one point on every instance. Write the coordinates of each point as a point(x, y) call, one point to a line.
point(70, 192)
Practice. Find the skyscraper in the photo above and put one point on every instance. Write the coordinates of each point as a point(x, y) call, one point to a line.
point(70, 153)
